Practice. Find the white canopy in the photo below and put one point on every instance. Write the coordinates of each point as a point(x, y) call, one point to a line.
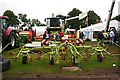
point(70, 29)
point(39, 30)
point(88, 31)
point(102, 26)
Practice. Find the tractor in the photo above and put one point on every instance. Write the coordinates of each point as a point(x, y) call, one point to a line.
point(53, 24)
point(10, 36)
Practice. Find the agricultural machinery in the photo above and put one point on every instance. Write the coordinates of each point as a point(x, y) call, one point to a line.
point(108, 28)
point(66, 49)
point(9, 34)
point(53, 24)
point(10, 38)
point(57, 51)
point(60, 52)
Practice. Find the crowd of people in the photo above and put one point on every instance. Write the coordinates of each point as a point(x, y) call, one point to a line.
point(52, 37)
point(113, 37)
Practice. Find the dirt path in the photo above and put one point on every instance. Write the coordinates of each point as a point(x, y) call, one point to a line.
point(108, 74)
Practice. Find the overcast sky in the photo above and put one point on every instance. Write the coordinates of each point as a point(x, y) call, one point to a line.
point(41, 9)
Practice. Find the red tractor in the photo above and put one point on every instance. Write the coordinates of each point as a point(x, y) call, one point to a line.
point(10, 36)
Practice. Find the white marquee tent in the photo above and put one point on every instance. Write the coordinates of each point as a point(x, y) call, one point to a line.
point(102, 26)
point(88, 31)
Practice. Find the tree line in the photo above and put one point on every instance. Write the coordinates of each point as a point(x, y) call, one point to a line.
point(20, 19)
point(92, 18)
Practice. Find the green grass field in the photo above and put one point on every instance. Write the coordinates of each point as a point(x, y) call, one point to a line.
point(42, 66)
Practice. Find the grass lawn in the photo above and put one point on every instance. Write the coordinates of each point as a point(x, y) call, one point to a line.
point(42, 68)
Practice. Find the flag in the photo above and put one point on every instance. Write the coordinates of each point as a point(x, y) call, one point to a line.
point(86, 21)
point(82, 15)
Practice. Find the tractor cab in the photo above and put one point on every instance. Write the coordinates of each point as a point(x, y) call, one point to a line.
point(53, 24)
point(3, 20)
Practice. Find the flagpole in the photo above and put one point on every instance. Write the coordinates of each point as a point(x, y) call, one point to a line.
point(87, 19)
point(87, 29)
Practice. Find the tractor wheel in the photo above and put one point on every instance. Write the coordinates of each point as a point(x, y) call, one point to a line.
point(24, 60)
point(51, 61)
point(99, 57)
point(12, 40)
point(73, 60)
point(5, 65)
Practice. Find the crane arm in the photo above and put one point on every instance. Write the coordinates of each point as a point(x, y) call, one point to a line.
point(109, 16)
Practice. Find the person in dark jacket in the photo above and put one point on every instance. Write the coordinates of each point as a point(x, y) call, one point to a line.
point(119, 38)
point(44, 35)
point(81, 35)
point(101, 38)
point(45, 39)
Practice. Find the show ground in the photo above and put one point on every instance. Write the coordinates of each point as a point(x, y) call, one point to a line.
point(108, 69)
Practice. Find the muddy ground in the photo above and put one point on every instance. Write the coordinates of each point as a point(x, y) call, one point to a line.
point(108, 74)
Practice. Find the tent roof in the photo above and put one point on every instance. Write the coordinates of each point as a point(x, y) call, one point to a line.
point(70, 29)
point(102, 26)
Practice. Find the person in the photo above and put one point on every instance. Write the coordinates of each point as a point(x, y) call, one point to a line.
point(47, 35)
point(81, 35)
point(115, 36)
point(45, 39)
point(58, 36)
point(44, 35)
point(119, 38)
point(61, 35)
point(101, 38)
point(72, 34)
point(30, 36)
point(111, 34)
point(51, 36)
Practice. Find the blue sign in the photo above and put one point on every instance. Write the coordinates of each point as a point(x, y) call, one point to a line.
point(87, 32)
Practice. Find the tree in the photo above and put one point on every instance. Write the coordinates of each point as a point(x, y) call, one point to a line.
point(93, 18)
point(75, 23)
point(36, 21)
point(61, 16)
point(23, 18)
point(74, 12)
point(116, 18)
point(13, 19)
